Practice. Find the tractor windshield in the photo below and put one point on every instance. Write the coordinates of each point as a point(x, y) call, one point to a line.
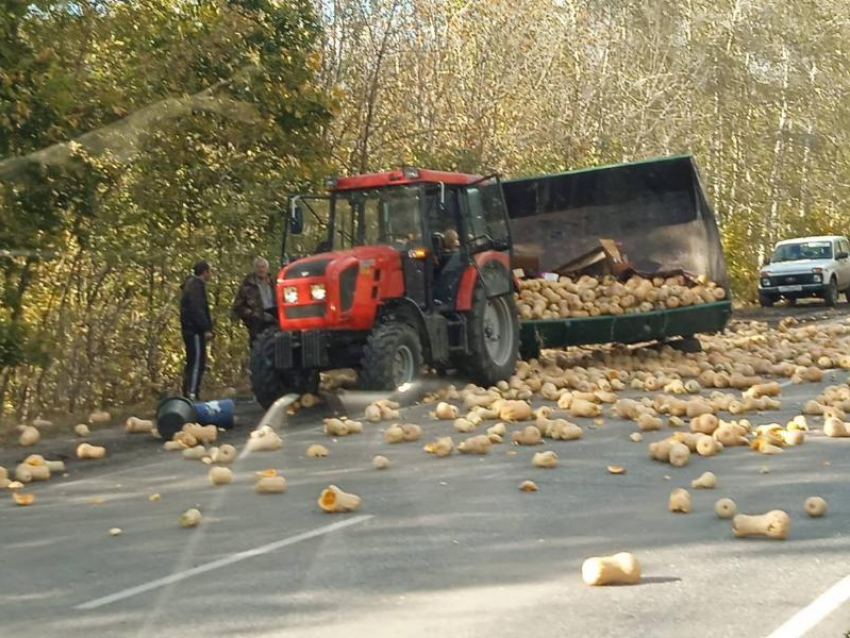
point(388, 216)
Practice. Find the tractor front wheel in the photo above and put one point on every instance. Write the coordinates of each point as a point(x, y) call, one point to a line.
point(391, 358)
point(267, 382)
point(493, 334)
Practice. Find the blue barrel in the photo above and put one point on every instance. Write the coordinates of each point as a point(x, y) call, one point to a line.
point(172, 413)
point(218, 413)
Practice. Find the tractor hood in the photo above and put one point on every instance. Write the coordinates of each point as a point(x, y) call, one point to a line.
point(339, 289)
point(317, 265)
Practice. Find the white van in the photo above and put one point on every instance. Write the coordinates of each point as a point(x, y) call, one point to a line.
point(806, 267)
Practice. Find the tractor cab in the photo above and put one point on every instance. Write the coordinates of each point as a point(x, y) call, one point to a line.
point(408, 264)
point(438, 212)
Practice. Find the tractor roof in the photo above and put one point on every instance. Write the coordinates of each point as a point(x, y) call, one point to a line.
point(396, 177)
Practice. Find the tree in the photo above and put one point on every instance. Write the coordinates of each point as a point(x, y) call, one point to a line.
point(136, 139)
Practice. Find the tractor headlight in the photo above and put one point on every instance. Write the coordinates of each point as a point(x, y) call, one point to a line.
point(290, 294)
point(317, 292)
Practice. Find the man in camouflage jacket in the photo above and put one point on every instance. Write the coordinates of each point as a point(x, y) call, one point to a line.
point(255, 301)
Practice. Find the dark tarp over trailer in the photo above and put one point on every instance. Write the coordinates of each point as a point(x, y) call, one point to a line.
point(656, 210)
point(658, 213)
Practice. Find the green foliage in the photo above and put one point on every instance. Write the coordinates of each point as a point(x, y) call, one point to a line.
point(17, 346)
point(191, 124)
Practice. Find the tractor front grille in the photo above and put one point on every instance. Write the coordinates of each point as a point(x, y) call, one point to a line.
point(313, 351)
point(305, 311)
point(283, 351)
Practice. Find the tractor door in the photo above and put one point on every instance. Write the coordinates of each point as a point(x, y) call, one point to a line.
point(486, 233)
point(405, 228)
point(484, 218)
point(442, 216)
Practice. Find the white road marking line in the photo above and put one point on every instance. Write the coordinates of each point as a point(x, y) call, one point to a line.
point(222, 562)
point(817, 610)
point(104, 475)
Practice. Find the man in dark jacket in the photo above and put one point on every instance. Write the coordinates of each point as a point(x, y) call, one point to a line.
point(196, 325)
point(255, 301)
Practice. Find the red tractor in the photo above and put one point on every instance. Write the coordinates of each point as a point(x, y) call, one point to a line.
point(390, 272)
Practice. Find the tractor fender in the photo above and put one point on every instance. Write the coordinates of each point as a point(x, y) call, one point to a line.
point(495, 271)
point(432, 329)
point(405, 310)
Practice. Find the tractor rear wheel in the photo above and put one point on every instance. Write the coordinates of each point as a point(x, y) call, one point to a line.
point(391, 358)
point(493, 335)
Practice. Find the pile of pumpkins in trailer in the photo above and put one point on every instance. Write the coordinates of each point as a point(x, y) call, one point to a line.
point(587, 296)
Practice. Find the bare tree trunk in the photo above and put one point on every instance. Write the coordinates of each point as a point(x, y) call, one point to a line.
point(16, 307)
point(775, 227)
point(374, 85)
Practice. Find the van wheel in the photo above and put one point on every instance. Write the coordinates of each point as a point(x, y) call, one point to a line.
point(830, 295)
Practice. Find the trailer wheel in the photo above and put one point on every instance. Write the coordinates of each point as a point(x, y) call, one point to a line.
point(267, 382)
point(688, 344)
point(493, 334)
point(391, 358)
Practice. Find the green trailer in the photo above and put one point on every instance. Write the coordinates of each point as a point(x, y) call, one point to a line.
point(657, 212)
point(658, 325)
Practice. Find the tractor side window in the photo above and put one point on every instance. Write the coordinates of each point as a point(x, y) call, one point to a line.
point(344, 233)
point(314, 231)
point(373, 217)
point(485, 214)
point(443, 223)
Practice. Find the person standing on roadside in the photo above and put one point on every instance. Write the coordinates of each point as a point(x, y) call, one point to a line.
point(196, 326)
point(255, 301)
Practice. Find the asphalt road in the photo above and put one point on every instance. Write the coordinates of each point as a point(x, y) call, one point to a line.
point(803, 310)
point(440, 547)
